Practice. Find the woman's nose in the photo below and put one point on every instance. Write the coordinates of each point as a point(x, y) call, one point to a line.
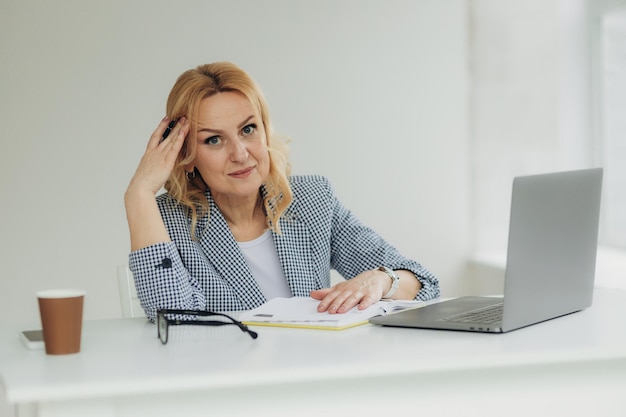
point(239, 152)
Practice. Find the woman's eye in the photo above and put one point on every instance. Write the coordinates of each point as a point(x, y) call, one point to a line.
point(213, 140)
point(248, 130)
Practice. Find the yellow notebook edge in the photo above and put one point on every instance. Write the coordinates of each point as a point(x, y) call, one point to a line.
point(304, 326)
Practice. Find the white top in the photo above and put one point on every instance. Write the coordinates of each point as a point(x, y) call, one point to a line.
point(263, 262)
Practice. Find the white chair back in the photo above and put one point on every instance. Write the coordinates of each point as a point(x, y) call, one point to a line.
point(131, 307)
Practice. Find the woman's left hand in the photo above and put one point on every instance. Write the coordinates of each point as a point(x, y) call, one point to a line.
point(363, 290)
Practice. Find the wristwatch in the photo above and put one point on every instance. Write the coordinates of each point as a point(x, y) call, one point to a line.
point(395, 280)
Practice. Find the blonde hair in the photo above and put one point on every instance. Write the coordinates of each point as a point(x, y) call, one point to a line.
point(184, 100)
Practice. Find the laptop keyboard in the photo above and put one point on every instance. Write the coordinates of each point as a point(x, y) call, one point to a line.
point(487, 315)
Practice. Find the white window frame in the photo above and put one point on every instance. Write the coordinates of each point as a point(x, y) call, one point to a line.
point(605, 119)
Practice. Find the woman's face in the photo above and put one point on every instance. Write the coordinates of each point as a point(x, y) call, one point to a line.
point(231, 148)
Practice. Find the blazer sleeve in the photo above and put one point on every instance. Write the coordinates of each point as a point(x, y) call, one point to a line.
point(161, 273)
point(205, 274)
point(356, 248)
point(162, 281)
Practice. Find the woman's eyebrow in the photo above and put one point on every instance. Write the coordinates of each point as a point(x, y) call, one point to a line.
point(211, 130)
point(245, 122)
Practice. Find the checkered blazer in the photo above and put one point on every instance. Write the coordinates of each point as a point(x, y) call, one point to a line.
point(317, 233)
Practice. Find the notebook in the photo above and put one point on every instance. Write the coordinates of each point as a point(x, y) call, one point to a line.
point(551, 258)
point(301, 312)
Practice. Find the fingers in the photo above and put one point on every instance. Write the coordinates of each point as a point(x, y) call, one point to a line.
point(156, 136)
point(320, 294)
point(176, 137)
point(168, 128)
point(342, 298)
point(159, 159)
point(363, 290)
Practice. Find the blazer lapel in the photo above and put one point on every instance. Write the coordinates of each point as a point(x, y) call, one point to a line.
point(221, 249)
point(295, 253)
point(294, 247)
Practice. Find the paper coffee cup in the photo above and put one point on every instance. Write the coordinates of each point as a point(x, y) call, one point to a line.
point(61, 320)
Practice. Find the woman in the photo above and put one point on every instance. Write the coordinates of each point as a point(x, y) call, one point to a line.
point(234, 228)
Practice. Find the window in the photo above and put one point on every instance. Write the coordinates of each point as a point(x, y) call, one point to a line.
point(548, 94)
point(610, 121)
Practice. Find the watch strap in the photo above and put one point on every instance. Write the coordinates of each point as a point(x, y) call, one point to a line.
point(395, 281)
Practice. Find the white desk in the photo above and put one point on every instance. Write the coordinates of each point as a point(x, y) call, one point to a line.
point(574, 365)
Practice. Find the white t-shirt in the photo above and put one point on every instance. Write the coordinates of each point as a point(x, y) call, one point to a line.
point(262, 260)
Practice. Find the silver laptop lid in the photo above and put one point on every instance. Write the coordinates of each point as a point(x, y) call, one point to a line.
point(553, 238)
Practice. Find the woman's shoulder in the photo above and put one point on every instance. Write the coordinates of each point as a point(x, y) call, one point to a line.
point(166, 199)
point(169, 205)
point(310, 190)
point(309, 182)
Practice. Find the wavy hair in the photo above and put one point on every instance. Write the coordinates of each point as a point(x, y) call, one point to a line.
point(184, 100)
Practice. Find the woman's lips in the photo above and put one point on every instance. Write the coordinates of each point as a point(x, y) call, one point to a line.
point(242, 173)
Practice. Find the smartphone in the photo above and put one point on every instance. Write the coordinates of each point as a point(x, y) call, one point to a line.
point(32, 339)
point(168, 130)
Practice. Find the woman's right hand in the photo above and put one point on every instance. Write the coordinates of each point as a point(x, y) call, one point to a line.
point(159, 159)
point(144, 219)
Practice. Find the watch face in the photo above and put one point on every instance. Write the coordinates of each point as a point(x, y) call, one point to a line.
point(392, 274)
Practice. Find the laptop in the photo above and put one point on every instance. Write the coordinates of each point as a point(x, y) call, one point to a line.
point(551, 259)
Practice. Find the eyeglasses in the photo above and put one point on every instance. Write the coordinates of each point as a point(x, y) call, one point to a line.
point(163, 322)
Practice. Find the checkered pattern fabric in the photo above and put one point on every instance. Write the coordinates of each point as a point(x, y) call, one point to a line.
point(317, 233)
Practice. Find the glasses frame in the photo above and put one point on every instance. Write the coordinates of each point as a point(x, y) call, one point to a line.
point(163, 322)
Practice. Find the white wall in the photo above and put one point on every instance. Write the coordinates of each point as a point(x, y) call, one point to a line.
point(530, 101)
point(373, 94)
